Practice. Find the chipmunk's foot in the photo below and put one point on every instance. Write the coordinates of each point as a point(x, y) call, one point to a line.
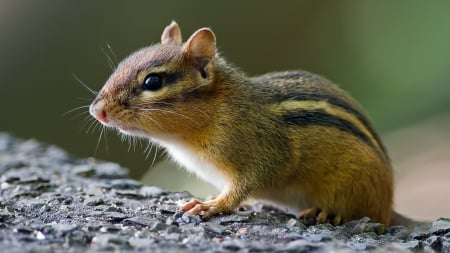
point(206, 209)
point(314, 216)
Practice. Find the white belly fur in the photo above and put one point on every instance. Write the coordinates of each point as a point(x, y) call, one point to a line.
point(289, 198)
point(194, 162)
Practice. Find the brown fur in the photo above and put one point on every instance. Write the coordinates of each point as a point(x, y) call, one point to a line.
point(235, 123)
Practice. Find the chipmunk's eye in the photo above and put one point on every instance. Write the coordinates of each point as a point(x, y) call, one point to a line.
point(152, 82)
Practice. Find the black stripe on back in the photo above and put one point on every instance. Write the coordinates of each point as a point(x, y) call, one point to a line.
point(339, 103)
point(319, 117)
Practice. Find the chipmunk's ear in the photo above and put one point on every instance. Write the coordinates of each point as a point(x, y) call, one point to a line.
point(201, 49)
point(171, 33)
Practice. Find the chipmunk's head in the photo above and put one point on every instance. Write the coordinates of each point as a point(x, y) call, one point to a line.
point(159, 89)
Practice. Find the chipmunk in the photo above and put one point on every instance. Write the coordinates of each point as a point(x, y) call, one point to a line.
point(293, 139)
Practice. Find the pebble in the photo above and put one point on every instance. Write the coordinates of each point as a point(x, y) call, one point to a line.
point(141, 221)
point(295, 223)
point(189, 218)
point(124, 184)
point(213, 228)
point(441, 226)
point(229, 219)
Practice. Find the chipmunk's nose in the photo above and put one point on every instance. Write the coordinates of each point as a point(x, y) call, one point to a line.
point(97, 110)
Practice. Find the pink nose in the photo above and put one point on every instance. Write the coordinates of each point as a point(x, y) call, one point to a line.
point(97, 111)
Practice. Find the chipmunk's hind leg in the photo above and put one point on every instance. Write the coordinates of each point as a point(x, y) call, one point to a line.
point(313, 216)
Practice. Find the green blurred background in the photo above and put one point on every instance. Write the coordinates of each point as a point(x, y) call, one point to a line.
point(392, 56)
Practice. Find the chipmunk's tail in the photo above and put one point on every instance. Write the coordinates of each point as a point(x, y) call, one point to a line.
point(401, 220)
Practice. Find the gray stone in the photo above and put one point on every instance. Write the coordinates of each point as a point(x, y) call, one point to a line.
point(141, 221)
point(441, 226)
point(295, 223)
point(412, 245)
point(94, 201)
point(445, 247)
point(213, 228)
point(189, 218)
point(228, 219)
point(434, 242)
point(123, 184)
point(300, 246)
point(167, 208)
point(158, 227)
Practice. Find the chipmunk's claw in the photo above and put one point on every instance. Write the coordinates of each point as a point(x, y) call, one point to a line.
point(314, 216)
point(196, 207)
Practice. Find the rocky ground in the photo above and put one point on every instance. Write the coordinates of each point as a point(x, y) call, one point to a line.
point(52, 202)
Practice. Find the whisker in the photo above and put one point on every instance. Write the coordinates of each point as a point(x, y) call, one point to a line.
point(110, 61)
point(80, 114)
point(112, 53)
point(165, 155)
point(201, 111)
point(85, 85)
point(123, 137)
point(196, 87)
point(134, 144)
point(167, 103)
point(129, 142)
point(148, 149)
point(98, 141)
point(97, 125)
point(140, 142)
point(105, 136)
point(148, 117)
point(154, 156)
point(167, 111)
point(75, 109)
point(86, 121)
point(94, 123)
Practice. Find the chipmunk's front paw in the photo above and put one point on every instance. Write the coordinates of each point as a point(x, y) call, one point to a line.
point(314, 216)
point(207, 209)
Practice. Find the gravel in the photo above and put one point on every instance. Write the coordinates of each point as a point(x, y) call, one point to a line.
point(53, 202)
